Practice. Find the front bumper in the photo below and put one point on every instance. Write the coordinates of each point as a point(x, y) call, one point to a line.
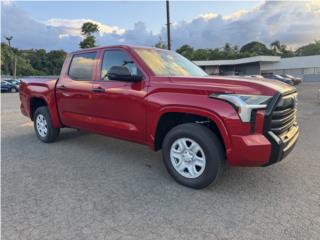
point(282, 145)
point(259, 150)
point(268, 145)
point(249, 151)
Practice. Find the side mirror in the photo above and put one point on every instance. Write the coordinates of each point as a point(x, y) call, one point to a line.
point(121, 73)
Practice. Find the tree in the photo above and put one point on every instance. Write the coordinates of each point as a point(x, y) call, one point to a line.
point(255, 48)
point(9, 40)
point(88, 29)
point(88, 42)
point(161, 45)
point(275, 46)
point(310, 49)
point(56, 59)
point(186, 51)
point(200, 54)
point(6, 59)
point(31, 62)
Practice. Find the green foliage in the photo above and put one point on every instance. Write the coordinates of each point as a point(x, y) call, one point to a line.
point(88, 42)
point(186, 50)
point(248, 50)
point(276, 46)
point(87, 29)
point(31, 62)
point(40, 62)
point(161, 45)
point(200, 54)
point(255, 48)
point(310, 49)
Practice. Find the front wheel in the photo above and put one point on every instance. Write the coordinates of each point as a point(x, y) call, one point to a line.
point(193, 155)
point(43, 126)
point(13, 90)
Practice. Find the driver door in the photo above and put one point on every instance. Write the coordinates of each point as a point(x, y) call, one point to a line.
point(118, 107)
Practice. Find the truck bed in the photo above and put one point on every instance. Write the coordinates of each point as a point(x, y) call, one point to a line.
point(40, 88)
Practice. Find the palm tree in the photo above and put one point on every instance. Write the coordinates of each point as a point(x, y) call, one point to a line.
point(276, 46)
point(9, 40)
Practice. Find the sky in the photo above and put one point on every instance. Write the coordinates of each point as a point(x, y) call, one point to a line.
point(201, 24)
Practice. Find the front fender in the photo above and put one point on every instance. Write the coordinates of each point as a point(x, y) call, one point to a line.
point(196, 111)
point(219, 112)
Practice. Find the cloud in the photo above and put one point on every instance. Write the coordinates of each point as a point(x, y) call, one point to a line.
point(72, 27)
point(65, 33)
point(292, 23)
point(29, 33)
point(208, 16)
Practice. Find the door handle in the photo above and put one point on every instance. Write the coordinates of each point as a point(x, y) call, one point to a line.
point(98, 90)
point(62, 87)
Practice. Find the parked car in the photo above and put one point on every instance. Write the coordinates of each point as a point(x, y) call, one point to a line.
point(255, 76)
point(14, 81)
point(279, 78)
point(8, 87)
point(158, 98)
point(296, 80)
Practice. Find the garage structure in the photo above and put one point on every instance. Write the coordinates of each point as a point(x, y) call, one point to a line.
point(307, 67)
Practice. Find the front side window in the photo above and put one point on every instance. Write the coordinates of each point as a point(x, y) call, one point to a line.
point(167, 63)
point(82, 65)
point(118, 58)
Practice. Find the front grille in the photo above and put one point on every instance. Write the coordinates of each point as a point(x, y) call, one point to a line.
point(284, 114)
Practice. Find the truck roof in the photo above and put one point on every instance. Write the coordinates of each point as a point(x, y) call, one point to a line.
point(113, 46)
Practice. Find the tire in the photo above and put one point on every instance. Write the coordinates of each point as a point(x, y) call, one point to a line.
point(43, 125)
point(13, 90)
point(211, 152)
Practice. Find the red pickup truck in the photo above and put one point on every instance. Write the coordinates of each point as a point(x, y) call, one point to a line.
point(158, 98)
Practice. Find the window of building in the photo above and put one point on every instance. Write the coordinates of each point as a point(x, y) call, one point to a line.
point(82, 65)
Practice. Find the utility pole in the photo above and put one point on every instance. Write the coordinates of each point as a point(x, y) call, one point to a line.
point(9, 40)
point(15, 67)
point(168, 25)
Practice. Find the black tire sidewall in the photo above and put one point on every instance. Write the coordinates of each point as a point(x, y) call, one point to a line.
point(211, 146)
point(52, 132)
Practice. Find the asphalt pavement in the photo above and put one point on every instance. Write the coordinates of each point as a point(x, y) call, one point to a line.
point(91, 187)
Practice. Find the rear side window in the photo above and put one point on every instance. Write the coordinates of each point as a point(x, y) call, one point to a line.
point(82, 65)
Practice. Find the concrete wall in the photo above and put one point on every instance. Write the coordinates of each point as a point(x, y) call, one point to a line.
point(292, 63)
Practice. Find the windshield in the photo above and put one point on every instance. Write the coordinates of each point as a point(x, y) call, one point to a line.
point(289, 76)
point(278, 76)
point(167, 63)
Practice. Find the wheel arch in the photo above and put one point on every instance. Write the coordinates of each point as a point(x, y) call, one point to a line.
point(170, 117)
point(36, 102)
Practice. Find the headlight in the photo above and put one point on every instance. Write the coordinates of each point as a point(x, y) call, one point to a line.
point(244, 103)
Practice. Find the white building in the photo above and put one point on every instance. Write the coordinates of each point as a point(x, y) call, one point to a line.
point(307, 67)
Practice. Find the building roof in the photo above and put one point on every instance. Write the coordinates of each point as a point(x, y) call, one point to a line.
point(270, 59)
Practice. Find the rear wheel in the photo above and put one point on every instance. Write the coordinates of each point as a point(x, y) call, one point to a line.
point(193, 155)
point(43, 126)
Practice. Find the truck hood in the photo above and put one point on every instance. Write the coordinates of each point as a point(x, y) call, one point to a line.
point(233, 85)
